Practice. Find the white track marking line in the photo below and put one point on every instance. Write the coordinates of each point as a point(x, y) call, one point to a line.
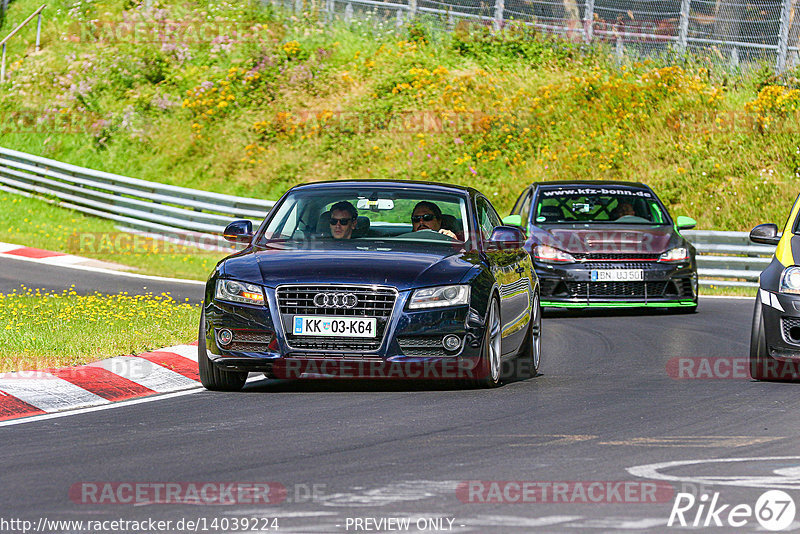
point(50, 393)
point(621, 523)
point(108, 271)
point(62, 260)
point(515, 521)
point(6, 247)
point(146, 373)
point(187, 351)
point(120, 404)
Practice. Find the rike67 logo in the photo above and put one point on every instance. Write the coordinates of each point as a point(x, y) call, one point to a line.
point(774, 510)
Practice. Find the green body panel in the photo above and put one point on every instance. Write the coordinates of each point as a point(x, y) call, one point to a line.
point(666, 304)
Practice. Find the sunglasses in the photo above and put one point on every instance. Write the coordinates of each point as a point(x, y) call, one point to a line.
point(343, 222)
point(428, 217)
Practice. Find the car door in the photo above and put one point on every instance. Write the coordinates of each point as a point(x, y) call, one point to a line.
point(512, 270)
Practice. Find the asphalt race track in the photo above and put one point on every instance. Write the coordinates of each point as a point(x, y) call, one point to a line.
point(351, 456)
point(35, 275)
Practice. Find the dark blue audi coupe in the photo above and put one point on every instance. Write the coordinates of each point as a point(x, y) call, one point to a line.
point(373, 279)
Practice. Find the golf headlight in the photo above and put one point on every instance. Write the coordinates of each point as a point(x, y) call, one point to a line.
point(548, 254)
point(675, 254)
point(790, 280)
point(239, 292)
point(435, 297)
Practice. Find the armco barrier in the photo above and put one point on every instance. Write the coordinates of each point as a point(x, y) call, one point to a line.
point(135, 204)
point(725, 258)
point(728, 258)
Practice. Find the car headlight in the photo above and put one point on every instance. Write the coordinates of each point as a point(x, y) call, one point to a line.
point(233, 291)
point(675, 254)
point(548, 254)
point(435, 297)
point(790, 280)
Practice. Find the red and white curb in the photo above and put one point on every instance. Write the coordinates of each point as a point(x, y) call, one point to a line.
point(30, 393)
point(70, 261)
point(38, 254)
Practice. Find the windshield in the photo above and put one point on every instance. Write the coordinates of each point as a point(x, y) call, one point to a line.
point(598, 205)
point(368, 215)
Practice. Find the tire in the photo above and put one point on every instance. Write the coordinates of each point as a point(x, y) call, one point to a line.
point(530, 357)
point(212, 377)
point(762, 365)
point(490, 365)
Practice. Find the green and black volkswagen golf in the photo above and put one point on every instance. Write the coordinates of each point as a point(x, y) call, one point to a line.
point(606, 244)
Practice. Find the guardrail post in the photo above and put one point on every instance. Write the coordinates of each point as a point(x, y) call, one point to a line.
point(588, 22)
point(499, 8)
point(38, 31)
point(683, 26)
point(412, 9)
point(330, 7)
point(348, 13)
point(783, 36)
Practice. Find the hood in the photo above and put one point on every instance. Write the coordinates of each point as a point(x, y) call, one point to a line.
point(608, 239)
point(403, 269)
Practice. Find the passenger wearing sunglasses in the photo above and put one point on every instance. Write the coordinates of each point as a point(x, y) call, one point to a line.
point(344, 217)
point(428, 216)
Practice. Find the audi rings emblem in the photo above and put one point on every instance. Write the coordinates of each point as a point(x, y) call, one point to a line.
point(335, 300)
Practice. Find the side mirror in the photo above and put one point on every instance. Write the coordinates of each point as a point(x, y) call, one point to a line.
point(506, 238)
point(765, 234)
point(513, 220)
point(239, 232)
point(685, 223)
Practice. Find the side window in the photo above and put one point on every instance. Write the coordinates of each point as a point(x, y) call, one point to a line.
point(487, 217)
point(525, 209)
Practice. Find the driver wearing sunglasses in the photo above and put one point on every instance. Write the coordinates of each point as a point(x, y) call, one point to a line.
point(428, 216)
point(344, 217)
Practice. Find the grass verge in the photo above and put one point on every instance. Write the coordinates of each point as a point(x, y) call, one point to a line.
point(44, 330)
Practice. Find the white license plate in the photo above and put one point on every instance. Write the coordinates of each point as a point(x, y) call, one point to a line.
point(317, 325)
point(618, 275)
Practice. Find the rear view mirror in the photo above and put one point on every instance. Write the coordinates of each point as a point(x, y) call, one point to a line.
point(380, 204)
point(685, 223)
point(513, 220)
point(506, 238)
point(239, 232)
point(765, 234)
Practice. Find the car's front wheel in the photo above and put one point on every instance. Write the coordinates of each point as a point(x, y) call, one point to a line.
point(530, 357)
point(211, 376)
point(490, 364)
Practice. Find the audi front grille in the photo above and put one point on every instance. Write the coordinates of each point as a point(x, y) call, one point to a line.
point(337, 301)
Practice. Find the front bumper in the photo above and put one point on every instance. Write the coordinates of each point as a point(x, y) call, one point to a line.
point(410, 347)
point(571, 285)
point(781, 316)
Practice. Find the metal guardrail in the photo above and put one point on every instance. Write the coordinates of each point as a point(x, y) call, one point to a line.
point(135, 204)
point(728, 258)
point(725, 258)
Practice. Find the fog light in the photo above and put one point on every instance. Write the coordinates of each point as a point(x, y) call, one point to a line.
point(224, 337)
point(451, 342)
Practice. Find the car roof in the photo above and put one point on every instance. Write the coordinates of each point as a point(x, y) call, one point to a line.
point(595, 183)
point(404, 184)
